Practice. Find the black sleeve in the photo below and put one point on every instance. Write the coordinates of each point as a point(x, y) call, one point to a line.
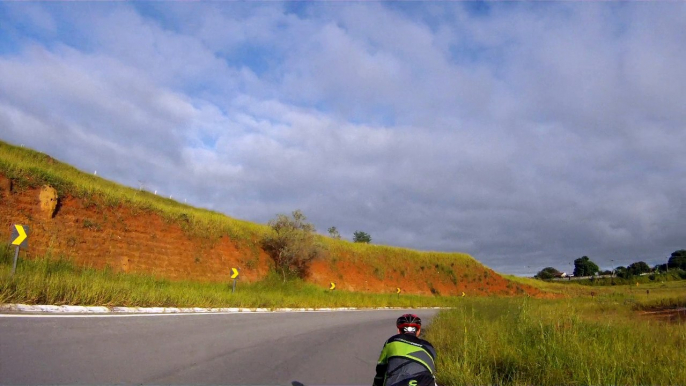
point(381, 367)
point(430, 348)
point(380, 374)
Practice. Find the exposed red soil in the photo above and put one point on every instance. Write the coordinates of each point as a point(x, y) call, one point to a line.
point(126, 239)
point(134, 240)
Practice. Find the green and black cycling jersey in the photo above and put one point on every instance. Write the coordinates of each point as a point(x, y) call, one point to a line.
point(406, 360)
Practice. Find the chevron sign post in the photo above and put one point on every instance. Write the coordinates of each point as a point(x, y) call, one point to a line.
point(20, 236)
point(235, 272)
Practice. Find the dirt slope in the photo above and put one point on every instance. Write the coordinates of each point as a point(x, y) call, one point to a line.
point(128, 239)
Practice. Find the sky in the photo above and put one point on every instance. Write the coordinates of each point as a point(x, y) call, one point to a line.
point(525, 134)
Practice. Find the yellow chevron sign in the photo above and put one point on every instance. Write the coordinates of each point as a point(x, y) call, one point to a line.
point(19, 235)
point(234, 273)
point(333, 286)
point(398, 290)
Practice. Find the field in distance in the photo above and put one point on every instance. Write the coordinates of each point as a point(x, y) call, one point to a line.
point(621, 335)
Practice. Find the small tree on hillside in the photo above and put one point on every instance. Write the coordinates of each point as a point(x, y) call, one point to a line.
point(547, 273)
point(362, 237)
point(333, 232)
point(583, 266)
point(291, 244)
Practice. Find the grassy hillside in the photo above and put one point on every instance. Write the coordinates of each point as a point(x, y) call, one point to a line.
point(105, 201)
point(31, 169)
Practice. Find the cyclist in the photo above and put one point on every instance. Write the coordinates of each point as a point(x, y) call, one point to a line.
point(406, 360)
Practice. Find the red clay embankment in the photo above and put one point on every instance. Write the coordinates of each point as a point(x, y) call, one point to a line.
point(129, 239)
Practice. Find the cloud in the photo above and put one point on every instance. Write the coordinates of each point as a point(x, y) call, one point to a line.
point(90, 109)
point(527, 135)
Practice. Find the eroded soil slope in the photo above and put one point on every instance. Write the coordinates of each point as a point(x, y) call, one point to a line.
point(127, 239)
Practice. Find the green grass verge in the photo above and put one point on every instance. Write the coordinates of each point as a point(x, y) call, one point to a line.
point(59, 282)
point(600, 340)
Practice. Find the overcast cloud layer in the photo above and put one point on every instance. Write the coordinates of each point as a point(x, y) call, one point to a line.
point(524, 134)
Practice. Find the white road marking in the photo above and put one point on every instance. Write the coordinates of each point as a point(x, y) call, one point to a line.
point(42, 311)
point(122, 315)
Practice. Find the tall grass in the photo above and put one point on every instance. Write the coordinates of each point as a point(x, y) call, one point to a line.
point(59, 282)
point(524, 341)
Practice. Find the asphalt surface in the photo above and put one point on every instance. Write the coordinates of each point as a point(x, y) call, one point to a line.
point(315, 348)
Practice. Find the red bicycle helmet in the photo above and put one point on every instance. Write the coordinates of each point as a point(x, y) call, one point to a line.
point(409, 323)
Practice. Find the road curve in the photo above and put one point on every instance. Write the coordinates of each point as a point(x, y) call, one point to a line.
point(311, 348)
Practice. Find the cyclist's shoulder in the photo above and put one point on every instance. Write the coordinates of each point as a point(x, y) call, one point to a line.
point(427, 345)
point(407, 338)
point(411, 340)
point(425, 342)
point(394, 338)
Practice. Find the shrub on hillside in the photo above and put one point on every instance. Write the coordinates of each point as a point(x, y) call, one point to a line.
point(362, 237)
point(548, 273)
point(291, 244)
point(333, 232)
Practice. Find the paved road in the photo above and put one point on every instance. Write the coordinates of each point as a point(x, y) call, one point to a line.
point(323, 348)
